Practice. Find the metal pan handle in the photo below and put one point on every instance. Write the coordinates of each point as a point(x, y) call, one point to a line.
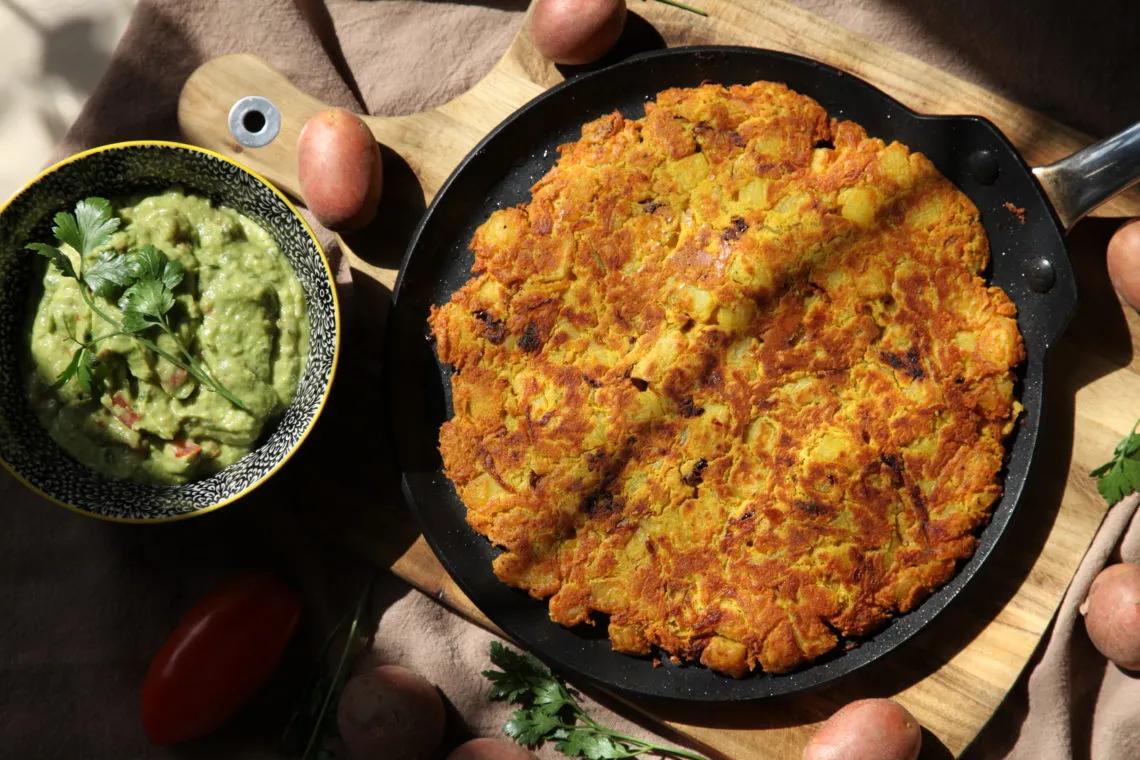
point(1079, 183)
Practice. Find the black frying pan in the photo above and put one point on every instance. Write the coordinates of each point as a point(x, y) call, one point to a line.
point(1029, 262)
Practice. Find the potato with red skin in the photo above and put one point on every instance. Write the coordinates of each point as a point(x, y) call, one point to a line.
point(339, 167)
point(390, 713)
point(868, 729)
point(1112, 614)
point(1124, 262)
point(489, 749)
point(576, 31)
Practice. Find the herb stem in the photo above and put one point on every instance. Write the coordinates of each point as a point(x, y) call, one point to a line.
point(324, 653)
point(338, 674)
point(94, 306)
point(211, 381)
point(677, 752)
point(91, 343)
point(684, 7)
point(644, 745)
point(188, 366)
point(166, 328)
point(196, 373)
point(108, 336)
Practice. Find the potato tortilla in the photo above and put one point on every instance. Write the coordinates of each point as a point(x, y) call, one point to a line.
point(733, 378)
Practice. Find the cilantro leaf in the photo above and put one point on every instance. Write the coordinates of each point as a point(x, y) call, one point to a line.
point(530, 727)
point(134, 322)
point(1104, 468)
point(89, 227)
point(57, 257)
point(1120, 476)
point(144, 304)
point(1122, 479)
point(149, 263)
point(82, 368)
point(521, 673)
point(172, 275)
point(551, 696)
point(1129, 445)
point(68, 371)
point(590, 746)
point(110, 272)
point(85, 372)
point(550, 713)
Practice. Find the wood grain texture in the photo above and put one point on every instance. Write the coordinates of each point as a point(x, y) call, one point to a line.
point(954, 675)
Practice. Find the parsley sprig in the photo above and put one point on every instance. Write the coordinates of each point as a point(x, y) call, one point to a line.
point(1120, 476)
point(551, 713)
point(145, 279)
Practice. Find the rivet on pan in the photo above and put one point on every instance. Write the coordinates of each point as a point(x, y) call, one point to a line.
point(1040, 275)
point(254, 121)
point(983, 166)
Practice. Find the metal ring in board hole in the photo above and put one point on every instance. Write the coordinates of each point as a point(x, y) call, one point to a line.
point(254, 121)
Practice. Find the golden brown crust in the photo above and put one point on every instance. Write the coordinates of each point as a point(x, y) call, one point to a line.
point(732, 378)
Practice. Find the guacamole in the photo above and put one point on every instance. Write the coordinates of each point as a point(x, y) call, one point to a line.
point(238, 310)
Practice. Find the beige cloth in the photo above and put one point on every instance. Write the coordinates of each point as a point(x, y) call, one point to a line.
point(85, 604)
point(1079, 704)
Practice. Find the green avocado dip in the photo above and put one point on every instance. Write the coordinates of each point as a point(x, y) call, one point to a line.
point(214, 294)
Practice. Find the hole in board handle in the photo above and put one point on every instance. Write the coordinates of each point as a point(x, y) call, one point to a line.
point(254, 121)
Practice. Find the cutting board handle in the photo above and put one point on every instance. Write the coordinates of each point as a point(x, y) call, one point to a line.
point(213, 89)
point(431, 142)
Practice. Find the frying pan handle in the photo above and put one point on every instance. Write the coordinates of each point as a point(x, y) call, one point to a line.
point(1079, 183)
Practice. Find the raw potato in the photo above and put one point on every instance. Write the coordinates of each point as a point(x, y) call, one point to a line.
point(576, 31)
point(869, 729)
point(1112, 614)
point(339, 167)
point(489, 749)
point(1124, 262)
point(390, 713)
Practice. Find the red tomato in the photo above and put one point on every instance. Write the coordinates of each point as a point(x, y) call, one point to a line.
point(221, 653)
point(183, 449)
point(128, 416)
point(177, 378)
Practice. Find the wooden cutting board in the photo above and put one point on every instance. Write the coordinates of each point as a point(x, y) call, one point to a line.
point(954, 675)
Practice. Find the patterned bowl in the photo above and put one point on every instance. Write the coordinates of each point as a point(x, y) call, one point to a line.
point(27, 451)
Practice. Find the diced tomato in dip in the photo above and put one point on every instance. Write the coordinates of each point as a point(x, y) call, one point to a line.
point(124, 411)
point(183, 449)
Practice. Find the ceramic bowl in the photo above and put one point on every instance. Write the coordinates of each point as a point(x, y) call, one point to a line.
point(26, 450)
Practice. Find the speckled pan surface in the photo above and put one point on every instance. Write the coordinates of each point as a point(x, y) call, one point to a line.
point(25, 447)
